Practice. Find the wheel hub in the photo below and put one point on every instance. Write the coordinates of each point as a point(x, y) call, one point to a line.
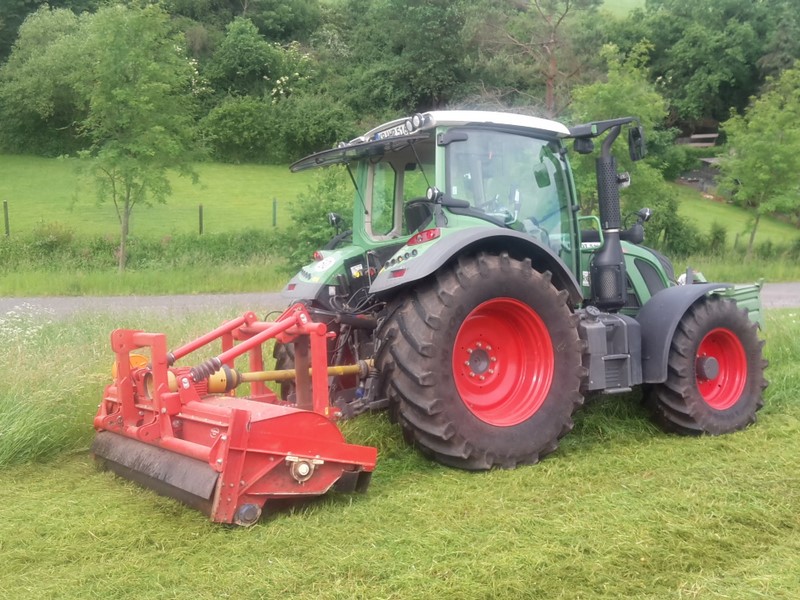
point(480, 361)
point(707, 368)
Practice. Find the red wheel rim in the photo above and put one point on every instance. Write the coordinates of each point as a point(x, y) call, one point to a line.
point(721, 368)
point(503, 362)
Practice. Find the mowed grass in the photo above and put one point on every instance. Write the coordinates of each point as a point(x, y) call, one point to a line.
point(620, 510)
point(45, 190)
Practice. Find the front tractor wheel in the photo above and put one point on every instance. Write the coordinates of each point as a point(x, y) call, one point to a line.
point(715, 374)
point(482, 365)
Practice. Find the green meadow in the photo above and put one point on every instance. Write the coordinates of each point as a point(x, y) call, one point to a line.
point(44, 190)
point(67, 241)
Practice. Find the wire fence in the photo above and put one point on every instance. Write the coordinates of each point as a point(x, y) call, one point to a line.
point(178, 219)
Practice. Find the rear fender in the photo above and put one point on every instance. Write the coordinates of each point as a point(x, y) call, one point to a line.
point(659, 318)
point(441, 251)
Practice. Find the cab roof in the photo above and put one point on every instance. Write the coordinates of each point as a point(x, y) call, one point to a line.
point(401, 132)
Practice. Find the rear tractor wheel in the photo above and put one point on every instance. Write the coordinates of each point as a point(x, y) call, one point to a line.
point(482, 365)
point(715, 373)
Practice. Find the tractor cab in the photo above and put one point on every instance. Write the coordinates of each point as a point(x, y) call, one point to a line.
point(435, 175)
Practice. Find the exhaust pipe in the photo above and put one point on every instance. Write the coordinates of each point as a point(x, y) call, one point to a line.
point(608, 277)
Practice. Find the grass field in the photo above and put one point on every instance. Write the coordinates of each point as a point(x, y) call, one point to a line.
point(622, 7)
point(41, 190)
point(620, 510)
point(704, 212)
point(237, 197)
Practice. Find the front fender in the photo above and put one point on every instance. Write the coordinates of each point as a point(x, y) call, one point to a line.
point(659, 319)
point(490, 239)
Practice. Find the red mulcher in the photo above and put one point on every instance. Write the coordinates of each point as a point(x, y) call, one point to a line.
point(182, 431)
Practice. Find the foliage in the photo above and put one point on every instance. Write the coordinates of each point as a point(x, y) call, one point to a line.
point(54, 247)
point(416, 63)
point(625, 92)
point(247, 64)
point(709, 56)
point(244, 129)
point(240, 129)
point(120, 75)
point(537, 47)
point(763, 159)
point(311, 122)
point(332, 191)
point(40, 108)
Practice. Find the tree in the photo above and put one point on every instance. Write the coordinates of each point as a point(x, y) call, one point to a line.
point(406, 55)
point(625, 92)
point(760, 169)
point(14, 12)
point(126, 78)
point(536, 41)
point(704, 53)
point(40, 110)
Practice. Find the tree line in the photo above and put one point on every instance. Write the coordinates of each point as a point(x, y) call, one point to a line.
point(139, 87)
point(274, 79)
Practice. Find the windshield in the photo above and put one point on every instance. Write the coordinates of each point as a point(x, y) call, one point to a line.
point(516, 178)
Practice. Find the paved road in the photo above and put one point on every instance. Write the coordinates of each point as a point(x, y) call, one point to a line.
point(774, 295)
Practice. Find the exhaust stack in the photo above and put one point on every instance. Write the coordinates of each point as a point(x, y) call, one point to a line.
point(608, 277)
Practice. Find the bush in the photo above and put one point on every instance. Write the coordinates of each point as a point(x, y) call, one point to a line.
point(310, 123)
point(61, 249)
point(684, 239)
point(717, 239)
point(332, 191)
point(246, 129)
point(242, 130)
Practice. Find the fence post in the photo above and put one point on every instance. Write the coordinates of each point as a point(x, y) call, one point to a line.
point(274, 212)
point(200, 218)
point(5, 217)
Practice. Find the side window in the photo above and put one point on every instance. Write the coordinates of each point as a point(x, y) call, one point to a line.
point(380, 221)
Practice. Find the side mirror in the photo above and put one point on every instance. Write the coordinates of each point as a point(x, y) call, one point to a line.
point(636, 144)
point(584, 146)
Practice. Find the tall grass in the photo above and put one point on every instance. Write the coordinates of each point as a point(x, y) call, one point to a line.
point(621, 510)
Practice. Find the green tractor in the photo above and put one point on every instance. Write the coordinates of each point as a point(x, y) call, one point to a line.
point(491, 309)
